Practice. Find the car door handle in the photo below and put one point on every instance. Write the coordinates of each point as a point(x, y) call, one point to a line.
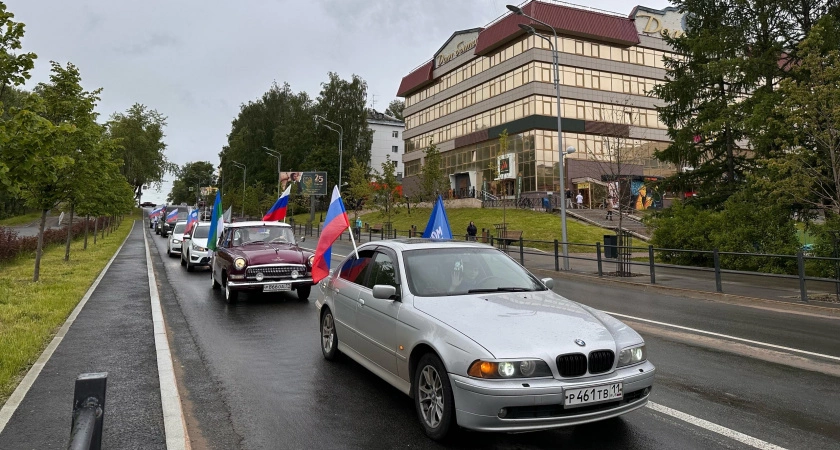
point(361, 302)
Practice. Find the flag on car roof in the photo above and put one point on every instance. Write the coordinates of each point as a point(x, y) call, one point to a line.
point(278, 211)
point(217, 223)
point(191, 220)
point(172, 216)
point(156, 212)
point(226, 216)
point(334, 224)
point(438, 226)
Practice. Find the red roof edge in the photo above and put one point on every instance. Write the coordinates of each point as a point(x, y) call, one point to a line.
point(420, 77)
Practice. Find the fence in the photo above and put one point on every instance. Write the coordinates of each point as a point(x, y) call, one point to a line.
point(546, 255)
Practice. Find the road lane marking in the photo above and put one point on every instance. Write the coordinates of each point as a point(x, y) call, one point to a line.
point(721, 430)
point(173, 416)
point(20, 392)
point(726, 336)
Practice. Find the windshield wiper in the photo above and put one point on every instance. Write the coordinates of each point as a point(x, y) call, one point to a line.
point(254, 242)
point(499, 289)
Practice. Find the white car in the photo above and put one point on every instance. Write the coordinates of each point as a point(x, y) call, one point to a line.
point(194, 251)
point(176, 239)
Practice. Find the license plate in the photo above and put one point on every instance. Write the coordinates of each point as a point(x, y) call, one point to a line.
point(277, 287)
point(594, 394)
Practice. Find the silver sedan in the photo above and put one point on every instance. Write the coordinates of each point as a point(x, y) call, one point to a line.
point(478, 341)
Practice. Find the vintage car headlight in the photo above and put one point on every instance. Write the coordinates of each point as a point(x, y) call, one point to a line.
point(310, 261)
point(529, 368)
point(239, 263)
point(632, 355)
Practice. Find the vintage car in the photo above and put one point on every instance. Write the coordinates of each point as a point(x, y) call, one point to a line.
point(261, 257)
point(477, 340)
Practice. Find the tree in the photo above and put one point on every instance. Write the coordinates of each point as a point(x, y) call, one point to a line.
point(385, 194)
point(192, 176)
point(359, 189)
point(139, 132)
point(395, 109)
point(433, 180)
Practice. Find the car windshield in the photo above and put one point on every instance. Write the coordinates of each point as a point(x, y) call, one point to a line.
point(201, 232)
point(263, 235)
point(179, 229)
point(439, 272)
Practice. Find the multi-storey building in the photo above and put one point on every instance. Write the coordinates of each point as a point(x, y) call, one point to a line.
point(487, 81)
point(387, 141)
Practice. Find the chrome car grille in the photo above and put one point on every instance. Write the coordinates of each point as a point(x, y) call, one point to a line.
point(275, 272)
point(571, 365)
point(601, 361)
point(575, 364)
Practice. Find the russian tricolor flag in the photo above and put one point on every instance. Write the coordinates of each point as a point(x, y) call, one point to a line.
point(191, 220)
point(334, 224)
point(278, 211)
point(172, 216)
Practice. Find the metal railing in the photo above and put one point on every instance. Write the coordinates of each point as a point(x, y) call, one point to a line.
point(88, 411)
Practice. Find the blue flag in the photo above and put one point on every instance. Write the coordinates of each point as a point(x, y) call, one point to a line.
point(438, 226)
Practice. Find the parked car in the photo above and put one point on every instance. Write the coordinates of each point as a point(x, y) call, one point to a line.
point(147, 205)
point(477, 340)
point(261, 257)
point(176, 239)
point(194, 248)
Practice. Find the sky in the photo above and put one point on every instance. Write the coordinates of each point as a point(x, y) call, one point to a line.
point(197, 61)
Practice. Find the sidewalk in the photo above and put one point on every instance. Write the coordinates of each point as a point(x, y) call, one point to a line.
point(112, 333)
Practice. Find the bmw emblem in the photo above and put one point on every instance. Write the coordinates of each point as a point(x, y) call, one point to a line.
point(580, 342)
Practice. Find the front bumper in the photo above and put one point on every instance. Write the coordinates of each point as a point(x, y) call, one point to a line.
point(199, 258)
point(539, 405)
point(258, 285)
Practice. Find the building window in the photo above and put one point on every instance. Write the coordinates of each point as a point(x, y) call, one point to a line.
point(394, 148)
point(395, 134)
point(579, 47)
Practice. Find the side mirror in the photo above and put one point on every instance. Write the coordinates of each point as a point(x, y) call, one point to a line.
point(302, 239)
point(384, 292)
point(548, 282)
point(186, 237)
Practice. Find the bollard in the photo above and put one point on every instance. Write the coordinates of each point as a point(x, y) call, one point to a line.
point(521, 252)
point(598, 251)
point(718, 284)
point(88, 411)
point(556, 255)
point(800, 261)
point(652, 269)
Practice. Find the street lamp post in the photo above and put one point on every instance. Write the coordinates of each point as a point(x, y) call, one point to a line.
point(340, 132)
point(275, 154)
point(556, 62)
point(244, 173)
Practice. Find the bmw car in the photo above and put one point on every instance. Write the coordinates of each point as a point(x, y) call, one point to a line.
point(477, 340)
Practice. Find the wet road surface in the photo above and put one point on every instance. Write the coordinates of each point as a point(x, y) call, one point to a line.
point(252, 376)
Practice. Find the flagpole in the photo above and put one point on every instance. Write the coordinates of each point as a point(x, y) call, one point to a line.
point(353, 239)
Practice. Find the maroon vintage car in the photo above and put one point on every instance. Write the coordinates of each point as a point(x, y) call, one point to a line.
point(261, 257)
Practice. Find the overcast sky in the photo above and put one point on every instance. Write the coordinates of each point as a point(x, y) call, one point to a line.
point(197, 61)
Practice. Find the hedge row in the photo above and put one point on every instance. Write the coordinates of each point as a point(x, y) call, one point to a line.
point(13, 246)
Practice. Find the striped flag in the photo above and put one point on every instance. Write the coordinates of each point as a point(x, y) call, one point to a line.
point(278, 211)
point(191, 220)
point(217, 224)
point(172, 216)
point(334, 224)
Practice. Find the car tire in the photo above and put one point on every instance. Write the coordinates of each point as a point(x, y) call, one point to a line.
point(183, 261)
point(231, 296)
point(216, 284)
point(303, 292)
point(433, 398)
point(168, 252)
point(329, 338)
point(190, 267)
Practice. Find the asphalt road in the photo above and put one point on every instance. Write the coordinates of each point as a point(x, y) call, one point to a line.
point(252, 376)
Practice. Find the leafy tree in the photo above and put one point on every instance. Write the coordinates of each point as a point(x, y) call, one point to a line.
point(192, 177)
point(395, 109)
point(140, 133)
point(14, 67)
point(433, 180)
point(359, 189)
point(385, 194)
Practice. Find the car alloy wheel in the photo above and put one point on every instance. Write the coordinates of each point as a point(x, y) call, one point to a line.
point(433, 397)
point(329, 340)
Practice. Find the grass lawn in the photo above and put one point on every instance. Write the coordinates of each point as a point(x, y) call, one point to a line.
point(31, 313)
point(20, 220)
point(537, 226)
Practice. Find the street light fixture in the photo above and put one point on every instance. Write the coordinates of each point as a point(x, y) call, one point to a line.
point(556, 62)
point(244, 173)
point(275, 154)
point(340, 132)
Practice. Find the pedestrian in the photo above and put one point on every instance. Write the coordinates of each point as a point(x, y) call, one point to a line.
point(471, 231)
point(579, 199)
point(568, 198)
point(608, 202)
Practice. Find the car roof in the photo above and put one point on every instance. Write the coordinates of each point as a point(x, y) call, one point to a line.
point(404, 244)
point(257, 223)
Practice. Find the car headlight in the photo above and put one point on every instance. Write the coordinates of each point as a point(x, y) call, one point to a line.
point(632, 355)
point(239, 263)
point(529, 368)
point(176, 241)
point(310, 261)
point(199, 248)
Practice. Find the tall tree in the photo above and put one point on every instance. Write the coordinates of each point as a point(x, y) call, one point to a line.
point(433, 180)
point(359, 189)
point(14, 67)
point(386, 194)
point(192, 176)
point(395, 109)
point(140, 133)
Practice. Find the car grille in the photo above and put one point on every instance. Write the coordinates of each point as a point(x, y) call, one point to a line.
point(275, 272)
point(572, 365)
point(575, 364)
point(601, 361)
